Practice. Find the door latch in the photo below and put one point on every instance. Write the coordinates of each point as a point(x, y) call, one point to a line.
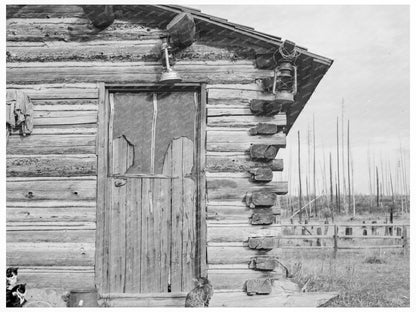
point(120, 182)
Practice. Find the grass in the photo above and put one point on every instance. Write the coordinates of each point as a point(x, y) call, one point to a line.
point(363, 279)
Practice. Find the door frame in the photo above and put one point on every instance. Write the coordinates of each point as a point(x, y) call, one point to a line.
point(102, 144)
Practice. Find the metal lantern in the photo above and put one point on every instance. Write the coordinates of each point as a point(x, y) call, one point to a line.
point(285, 77)
point(169, 75)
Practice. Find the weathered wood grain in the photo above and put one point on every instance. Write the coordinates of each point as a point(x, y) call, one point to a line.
point(226, 135)
point(238, 212)
point(238, 162)
point(235, 189)
point(260, 198)
point(66, 235)
point(263, 152)
point(51, 214)
point(105, 46)
point(71, 28)
point(57, 106)
point(49, 118)
point(51, 165)
point(236, 278)
point(131, 72)
point(55, 91)
point(262, 174)
point(226, 140)
point(237, 94)
point(238, 232)
point(63, 277)
point(262, 217)
point(51, 189)
point(51, 144)
point(258, 286)
point(49, 11)
point(220, 253)
point(44, 254)
point(61, 129)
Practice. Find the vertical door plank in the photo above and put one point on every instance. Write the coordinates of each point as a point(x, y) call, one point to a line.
point(151, 251)
point(137, 238)
point(145, 268)
point(123, 238)
point(188, 217)
point(156, 235)
point(177, 233)
point(166, 195)
point(133, 236)
point(115, 237)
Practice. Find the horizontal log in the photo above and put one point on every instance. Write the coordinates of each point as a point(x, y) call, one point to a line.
point(227, 135)
point(243, 121)
point(239, 232)
point(235, 213)
point(51, 236)
point(229, 189)
point(44, 254)
point(239, 162)
point(143, 300)
point(48, 11)
point(288, 299)
point(52, 203)
point(51, 118)
point(145, 47)
point(131, 72)
point(39, 30)
point(61, 129)
point(65, 104)
point(54, 91)
point(51, 165)
point(40, 109)
point(51, 144)
point(237, 95)
point(54, 214)
point(65, 278)
point(51, 189)
point(277, 176)
point(264, 128)
point(223, 254)
point(236, 278)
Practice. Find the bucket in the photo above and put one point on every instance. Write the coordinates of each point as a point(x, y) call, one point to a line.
point(83, 298)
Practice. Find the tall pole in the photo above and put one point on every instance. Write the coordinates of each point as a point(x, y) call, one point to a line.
point(343, 154)
point(377, 188)
point(338, 178)
point(348, 162)
point(352, 186)
point(300, 181)
point(331, 190)
point(314, 167)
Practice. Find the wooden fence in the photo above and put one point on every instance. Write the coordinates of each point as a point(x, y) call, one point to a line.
point(343, 236)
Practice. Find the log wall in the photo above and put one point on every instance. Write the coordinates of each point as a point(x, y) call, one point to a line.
point(51, 174)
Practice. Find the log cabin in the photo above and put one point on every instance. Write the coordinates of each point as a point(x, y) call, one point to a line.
point(131, 185)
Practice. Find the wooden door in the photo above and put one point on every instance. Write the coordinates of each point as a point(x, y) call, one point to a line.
point(151, 192)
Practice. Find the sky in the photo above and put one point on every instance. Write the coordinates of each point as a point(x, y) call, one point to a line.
point(370, 74)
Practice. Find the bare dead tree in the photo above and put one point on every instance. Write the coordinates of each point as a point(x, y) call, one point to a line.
point(338, 177)
point(300, 180)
